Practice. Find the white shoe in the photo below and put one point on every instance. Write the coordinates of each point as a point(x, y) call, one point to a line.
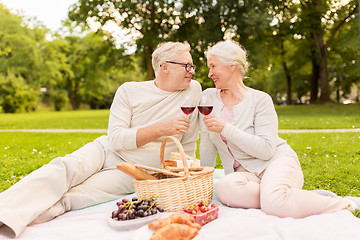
point(324, 192)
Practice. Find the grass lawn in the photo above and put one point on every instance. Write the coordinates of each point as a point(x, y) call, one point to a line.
point(330, 116)
point(21, 153)
point(329, 160)
point(81, 119)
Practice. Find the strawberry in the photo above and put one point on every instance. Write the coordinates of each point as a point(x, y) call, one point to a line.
point(213, 205)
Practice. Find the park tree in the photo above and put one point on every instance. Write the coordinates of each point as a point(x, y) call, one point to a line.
point(307, 28)
point(20, 62)
point(205, 22)
point(20, 47)
point(344, 61)
point(88, 62)
point(151, 20)
point(320, 22)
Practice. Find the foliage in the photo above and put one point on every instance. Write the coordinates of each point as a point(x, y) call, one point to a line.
point(21, 48)
point(60, 99)
point(291, 45)
point(151, 20)
point(86, 67)
point(16, 96)
point(90, 59)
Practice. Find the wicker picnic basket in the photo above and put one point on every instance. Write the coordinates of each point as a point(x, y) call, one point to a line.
point(175, 193)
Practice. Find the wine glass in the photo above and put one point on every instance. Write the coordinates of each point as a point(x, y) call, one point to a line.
point(186, 106)
point(205, 106)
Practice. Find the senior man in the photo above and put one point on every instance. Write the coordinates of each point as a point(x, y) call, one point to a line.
point(141, 114)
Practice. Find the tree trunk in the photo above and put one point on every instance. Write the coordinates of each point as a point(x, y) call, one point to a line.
point(324, 82)
point(322, 48)
point(315, 77)
point(287, 74)
point(73, 95)
point(150, 70)
point(337, 92)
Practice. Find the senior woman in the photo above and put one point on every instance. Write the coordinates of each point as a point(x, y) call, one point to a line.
point(262, 171)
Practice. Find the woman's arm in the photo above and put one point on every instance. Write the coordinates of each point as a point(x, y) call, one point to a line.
point(208, 151)
point(261, 144)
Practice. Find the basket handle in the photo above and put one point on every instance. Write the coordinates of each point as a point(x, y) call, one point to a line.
point(182, 154)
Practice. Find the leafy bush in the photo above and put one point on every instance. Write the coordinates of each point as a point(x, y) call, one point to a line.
point(60, 99)
point(16, 95)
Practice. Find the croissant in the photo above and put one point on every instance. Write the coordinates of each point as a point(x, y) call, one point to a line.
point(178, 217)
point(155, 225)
point(175, 231)
point(184, 218)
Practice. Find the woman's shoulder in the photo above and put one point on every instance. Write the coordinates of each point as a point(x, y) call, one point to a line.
point(258, 94)
point(195, 85)
point(209, 91)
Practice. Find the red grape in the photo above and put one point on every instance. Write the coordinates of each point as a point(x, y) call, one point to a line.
point(136, 208)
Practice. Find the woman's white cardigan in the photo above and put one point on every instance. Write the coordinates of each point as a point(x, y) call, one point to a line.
point(252, 137)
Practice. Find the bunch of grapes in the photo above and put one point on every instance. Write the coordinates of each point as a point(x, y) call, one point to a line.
point(200, 208)
point(136, 208)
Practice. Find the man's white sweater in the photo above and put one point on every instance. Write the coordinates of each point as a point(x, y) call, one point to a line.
point(142, 104)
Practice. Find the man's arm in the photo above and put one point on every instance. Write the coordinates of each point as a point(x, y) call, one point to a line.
point(175, 126)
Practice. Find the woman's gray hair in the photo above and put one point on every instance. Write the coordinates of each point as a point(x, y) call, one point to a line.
point(230, 53)
point(166, 52)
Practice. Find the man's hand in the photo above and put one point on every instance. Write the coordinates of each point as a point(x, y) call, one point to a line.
point(175, 126)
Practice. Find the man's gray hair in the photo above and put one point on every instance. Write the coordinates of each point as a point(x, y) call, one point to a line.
point(166, 52)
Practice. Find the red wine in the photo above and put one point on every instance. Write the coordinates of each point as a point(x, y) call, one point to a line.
point(187, 110)
point(206, 110)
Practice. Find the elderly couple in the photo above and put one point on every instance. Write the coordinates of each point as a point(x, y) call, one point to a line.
point(262, 171)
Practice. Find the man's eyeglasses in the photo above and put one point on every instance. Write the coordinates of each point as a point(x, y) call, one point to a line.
point(188, 66)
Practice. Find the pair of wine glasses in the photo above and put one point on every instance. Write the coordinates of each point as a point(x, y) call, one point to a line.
point(204, 107)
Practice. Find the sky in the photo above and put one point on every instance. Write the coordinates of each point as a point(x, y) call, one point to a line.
point(52, 12)
point(49, 12)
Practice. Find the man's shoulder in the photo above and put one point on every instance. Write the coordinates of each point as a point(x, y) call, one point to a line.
point(128, 86)
point(137, 84)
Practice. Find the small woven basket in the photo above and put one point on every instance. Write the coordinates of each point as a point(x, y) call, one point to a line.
point(175, 193)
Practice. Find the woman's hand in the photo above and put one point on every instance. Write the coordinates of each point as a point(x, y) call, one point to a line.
point(214, 123)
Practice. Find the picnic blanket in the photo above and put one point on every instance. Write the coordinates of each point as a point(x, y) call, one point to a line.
point(90, 223)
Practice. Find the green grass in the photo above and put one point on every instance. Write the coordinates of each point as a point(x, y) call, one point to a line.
point(331, 116)
point(81, 119)
point(329, 160)
point(21, 153)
